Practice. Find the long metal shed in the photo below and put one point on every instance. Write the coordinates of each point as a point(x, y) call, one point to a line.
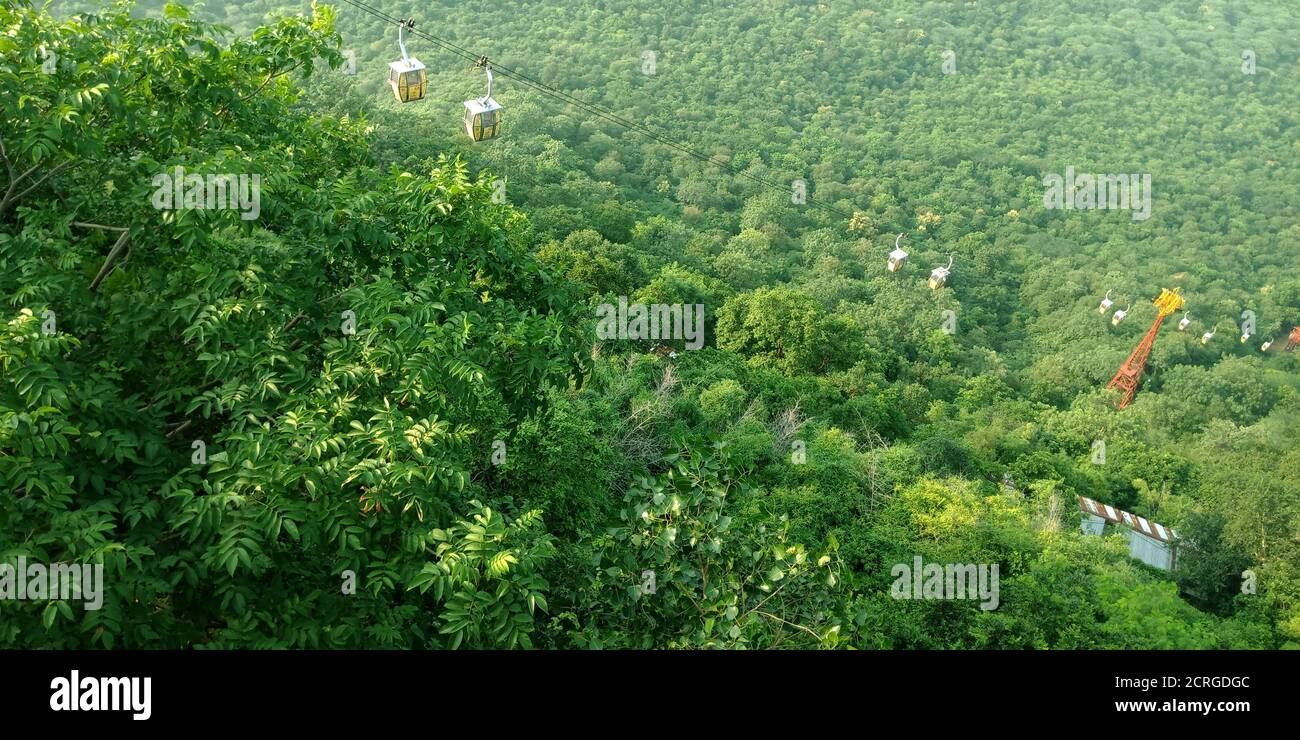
point(1152, 543)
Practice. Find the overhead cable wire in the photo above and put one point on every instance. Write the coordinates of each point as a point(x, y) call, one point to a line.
point(589, 107)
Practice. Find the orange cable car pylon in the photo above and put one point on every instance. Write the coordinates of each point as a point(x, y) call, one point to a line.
point(1130, 373)
point(1294, 340)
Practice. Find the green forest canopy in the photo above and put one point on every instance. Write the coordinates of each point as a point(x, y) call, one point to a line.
point(327, 452)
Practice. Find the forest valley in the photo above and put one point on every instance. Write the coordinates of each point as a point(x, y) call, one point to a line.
point(394, 375)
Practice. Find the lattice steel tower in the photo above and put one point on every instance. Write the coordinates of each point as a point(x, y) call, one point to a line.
point(1130, 373)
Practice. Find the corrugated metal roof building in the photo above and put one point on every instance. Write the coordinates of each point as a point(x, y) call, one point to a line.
point(1149, 542)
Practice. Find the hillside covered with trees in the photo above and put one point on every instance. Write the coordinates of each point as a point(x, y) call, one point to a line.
point(376, 410)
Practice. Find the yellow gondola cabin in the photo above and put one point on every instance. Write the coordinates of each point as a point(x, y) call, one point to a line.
point(407, 76)
point(898, 257)
point(939, 276)
point(483, 115)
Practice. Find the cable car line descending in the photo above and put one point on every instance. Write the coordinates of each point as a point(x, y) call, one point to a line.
point(483, 121)
point(587, 107)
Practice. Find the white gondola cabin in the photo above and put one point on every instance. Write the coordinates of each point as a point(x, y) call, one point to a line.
point(1106, 303)
point(939, 276)
point(1264, 347)
point(1119, 315)
point(1182, 325)
point(407, 76)
point(897, 257)
point(483, 115)
point(1207, 336)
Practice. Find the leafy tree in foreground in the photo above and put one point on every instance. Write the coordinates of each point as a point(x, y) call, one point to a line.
point(258, 425)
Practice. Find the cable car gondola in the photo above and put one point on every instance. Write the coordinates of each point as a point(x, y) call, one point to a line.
point(483, 115)
point(1182, 325)
point(1106, 303)
point(1119, 315)
point(939, 275)
point(407, 76)
point(897, 257)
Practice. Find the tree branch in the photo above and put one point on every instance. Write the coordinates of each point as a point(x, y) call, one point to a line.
point(87, 225)
point(267, 81)
point(226, 107)
point(792, 624)
point(9, 199)
point(5, 156)
point(23, 176)
point(111, 260)
point(293, 322)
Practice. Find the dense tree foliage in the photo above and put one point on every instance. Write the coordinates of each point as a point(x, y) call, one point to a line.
point(390, 378)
